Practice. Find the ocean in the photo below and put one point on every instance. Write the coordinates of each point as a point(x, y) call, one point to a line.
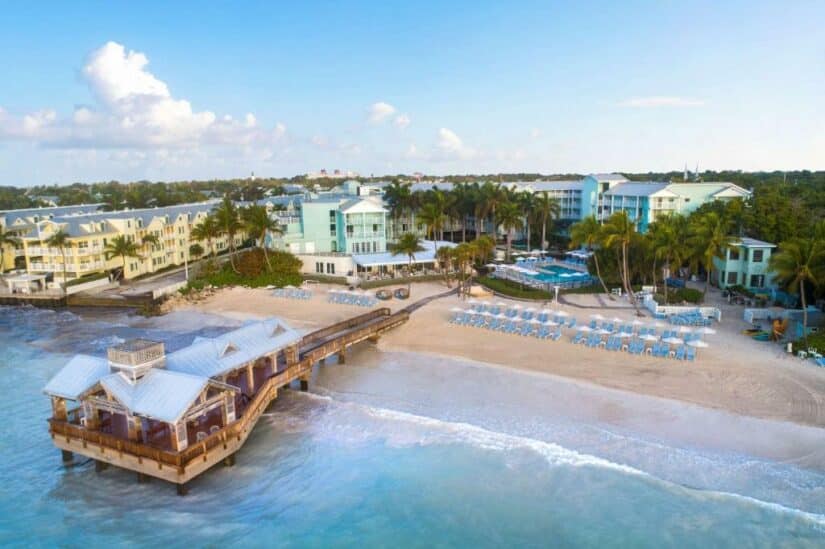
point(391, 449)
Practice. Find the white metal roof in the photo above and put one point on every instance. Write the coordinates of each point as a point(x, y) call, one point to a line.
point(215, 357)
point(159, 394)
point(636, 189)
point(77, 377)
point(387, 258)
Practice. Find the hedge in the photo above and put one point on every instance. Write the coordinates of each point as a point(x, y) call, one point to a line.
point(511, 289)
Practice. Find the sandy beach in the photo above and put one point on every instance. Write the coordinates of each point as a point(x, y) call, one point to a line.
point(736, 374)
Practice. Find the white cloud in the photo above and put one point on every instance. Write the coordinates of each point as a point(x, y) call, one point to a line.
point(402, 121)
point(450, 146)
point(535, 133)
point(661, 101)
point(135, 109)
point(379, 112)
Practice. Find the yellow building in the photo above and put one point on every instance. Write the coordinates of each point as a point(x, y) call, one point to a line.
point(90, 231)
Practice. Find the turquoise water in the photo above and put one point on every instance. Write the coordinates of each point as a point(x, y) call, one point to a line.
point(392, 450)
point(552, 274)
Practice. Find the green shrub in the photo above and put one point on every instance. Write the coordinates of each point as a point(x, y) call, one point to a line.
point(252, 272)
point(676, 296)
point(509, 288)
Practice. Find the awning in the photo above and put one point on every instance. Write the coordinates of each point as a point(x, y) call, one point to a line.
point(387, 258)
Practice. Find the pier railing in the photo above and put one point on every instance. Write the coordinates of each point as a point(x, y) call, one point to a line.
point(371, 325)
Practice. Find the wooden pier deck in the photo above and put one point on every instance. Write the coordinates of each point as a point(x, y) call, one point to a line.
point(180, 467)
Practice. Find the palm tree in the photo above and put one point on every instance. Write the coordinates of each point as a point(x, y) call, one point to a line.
point(60, 240)
point(547, 208)
point(619, 231)
point(195, 250)
point(509, 217)
point(408, 244)
point(491, 195)
point(461, 206)
point(667, 240)
point(123, 247)
point(433, 218)
point(208, 230)
point(257, 223)
point(150, 240)
point(230, 224)
point(799, 261)
point(588, 233)
point(444, 254)
point(526, 200)
point(710, 238)
point(399, 199)
point(6, 239)
point(484, 246)
point(462, 258)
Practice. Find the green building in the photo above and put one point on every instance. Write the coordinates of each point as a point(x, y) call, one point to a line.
point(746, 264)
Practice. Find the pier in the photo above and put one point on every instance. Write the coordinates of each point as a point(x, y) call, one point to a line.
point(115, 424)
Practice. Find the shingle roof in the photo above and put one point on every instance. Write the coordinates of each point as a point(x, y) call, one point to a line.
point(79, 375)
point(159, 394)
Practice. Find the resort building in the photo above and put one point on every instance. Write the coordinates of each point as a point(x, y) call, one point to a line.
point(745, 264)
point(645, 201)
point(90, 230)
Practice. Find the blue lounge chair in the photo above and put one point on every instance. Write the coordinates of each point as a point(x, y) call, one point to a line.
point(690, 353)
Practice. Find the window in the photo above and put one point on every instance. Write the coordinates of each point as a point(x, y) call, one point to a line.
point(375, 228)
point(355, 248)
point(757, 281)
point(403, 227)
point(756, 256)
point(332, 229)
point(350, 230)
point(734, 254)
point(733, 277)
point(333, 246)
point(331, 268)
point(319, 267)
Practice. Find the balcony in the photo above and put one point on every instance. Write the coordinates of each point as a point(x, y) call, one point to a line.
point(71, 267)
point(34, 251)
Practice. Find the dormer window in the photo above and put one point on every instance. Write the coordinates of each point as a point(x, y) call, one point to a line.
point(228, 349)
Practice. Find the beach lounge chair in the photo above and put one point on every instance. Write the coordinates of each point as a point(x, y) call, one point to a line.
point(572, 323)
point(680, 353)
point(690, 353)
point(578, 338)
point(555, 336)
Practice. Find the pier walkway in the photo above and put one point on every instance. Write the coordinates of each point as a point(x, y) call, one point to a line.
point(293, 364)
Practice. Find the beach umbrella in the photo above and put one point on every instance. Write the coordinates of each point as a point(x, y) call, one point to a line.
point(585, 329)
point(333, 290)
point(535, 321)
point(602, 331)
point(597, 316)
point(698, 343)
point(649, 337)
point(685, 330)
point(501, 304)
point(562, 313)
point(550, 323)
point(706, 330)
point(530, 309)
point(637, 322)
point(674, 340)
point(616, 319)
point(472, 301)
point(516, 306)
point(457, 310)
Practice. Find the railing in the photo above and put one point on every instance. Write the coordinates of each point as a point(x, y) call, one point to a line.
point(240, 428)
point(70, 267)
point(344, 325)
point(70, 252)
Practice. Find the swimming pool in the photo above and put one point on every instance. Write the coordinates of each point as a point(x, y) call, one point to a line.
point(556, 274)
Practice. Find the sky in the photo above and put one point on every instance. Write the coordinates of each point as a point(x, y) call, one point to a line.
point(94, 91)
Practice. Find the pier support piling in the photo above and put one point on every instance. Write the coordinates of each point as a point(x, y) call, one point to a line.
point(304, 385)
point(142, 478)
point(182, 489)
point(67, 456)
point(229, 461)
point(100, 466)
point(342, 357)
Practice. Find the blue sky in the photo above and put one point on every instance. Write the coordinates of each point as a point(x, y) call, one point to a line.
point(181, 90)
